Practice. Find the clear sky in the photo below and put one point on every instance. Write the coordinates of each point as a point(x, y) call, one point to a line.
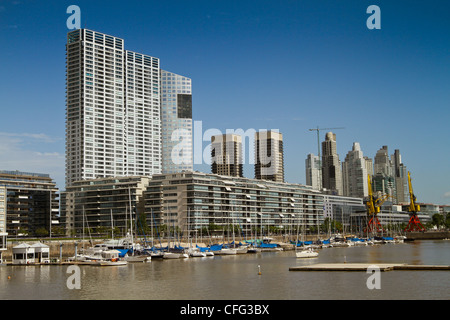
point(286, 65)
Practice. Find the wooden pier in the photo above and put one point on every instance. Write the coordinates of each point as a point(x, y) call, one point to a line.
point(366, 266)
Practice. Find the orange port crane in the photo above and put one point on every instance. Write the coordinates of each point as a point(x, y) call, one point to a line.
point(414, 223)
point(373, 208)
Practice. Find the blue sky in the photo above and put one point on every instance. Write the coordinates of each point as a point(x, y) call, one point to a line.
point(286, 65)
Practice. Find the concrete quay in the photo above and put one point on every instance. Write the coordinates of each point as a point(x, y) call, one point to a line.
point(365, 266)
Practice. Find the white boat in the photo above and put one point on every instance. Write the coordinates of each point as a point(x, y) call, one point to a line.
point(109, 258)
point(253, 250)
point(171, 255)
point(175, 255)
point(226, 251)
point(137, 258)
point(307, 253)
point(104, 263)
point(196, 253)
point(241, 250)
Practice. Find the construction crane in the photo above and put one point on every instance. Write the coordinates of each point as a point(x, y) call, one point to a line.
point(373, 208)
point(318, 138)
point(414, 223)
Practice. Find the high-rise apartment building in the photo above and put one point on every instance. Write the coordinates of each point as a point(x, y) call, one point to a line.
point(269, 162)
point(226, 155)
point(176, 121)
point(112, 109)
point(331, 166)
point(313, 171)
point(354, 173)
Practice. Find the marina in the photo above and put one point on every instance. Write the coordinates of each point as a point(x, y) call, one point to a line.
point(263, 275)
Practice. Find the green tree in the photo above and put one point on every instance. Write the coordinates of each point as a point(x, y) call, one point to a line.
point(438, 220)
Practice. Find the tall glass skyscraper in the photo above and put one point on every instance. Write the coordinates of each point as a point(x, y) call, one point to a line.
point(113, 125)
point(176, 120)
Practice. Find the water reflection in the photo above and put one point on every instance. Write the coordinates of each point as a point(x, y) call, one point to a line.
point(237, 278)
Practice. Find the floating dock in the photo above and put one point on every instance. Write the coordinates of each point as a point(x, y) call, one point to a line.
point(366, 266)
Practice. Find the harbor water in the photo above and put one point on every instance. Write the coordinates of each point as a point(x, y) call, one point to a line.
point(260, 276)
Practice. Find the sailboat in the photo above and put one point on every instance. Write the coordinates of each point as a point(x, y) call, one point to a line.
point(193, 252)
point(134, 257)
point(305, 252)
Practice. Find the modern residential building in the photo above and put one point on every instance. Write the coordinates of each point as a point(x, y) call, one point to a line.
point(196, 201)
point(112, 109)
point(269, 161)
point(313, 171)
point(29, 204)
point(101, 206)
point(354, 173)
point(226, 155)
point(3, 233)
point(176, 121)
point(331, 166)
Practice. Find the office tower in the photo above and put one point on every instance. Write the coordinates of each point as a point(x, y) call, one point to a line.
point(331, 166)
point(269, 164)
point(176, 121)
point(383, 179)
point(354, 173)
point(369, 165)
point(226, 155)
point(382, 163)
point(112, 109)
point(401, 177)
point(313, 171)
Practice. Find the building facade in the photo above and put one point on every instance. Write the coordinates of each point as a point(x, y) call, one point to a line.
point(331, 166)
point(176, 121)
point(112, 109)
point(269, 157)
point(226, 155)
point(29, 204)
point(101, 206)
point(313, 171)
point(195, 201)
point(354, 173)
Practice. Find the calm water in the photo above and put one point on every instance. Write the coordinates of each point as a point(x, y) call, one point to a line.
point(236, 277)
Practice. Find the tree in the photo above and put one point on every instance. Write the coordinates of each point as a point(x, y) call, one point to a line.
point(41, 232)
point(331, 225)
point(438, 220)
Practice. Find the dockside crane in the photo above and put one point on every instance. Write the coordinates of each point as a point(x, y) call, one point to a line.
point(373, 208)
point(414, 223)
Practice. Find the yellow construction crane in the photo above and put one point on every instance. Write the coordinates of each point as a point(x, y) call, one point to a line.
point(414, 223)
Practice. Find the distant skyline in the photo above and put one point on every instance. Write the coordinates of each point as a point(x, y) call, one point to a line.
point(286, 65)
